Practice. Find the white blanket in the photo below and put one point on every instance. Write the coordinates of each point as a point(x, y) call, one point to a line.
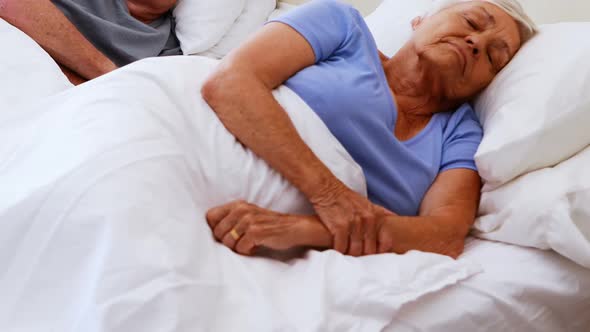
point(102, 203)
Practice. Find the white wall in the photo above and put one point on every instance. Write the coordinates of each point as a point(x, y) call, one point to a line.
point(551, 11)
point(365, 6)
point(542, 11)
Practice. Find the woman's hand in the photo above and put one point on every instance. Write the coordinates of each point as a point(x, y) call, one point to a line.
point(245, 227)
point(240, 93)
point(352, 220)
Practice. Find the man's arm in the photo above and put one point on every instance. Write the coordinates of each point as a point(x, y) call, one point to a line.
point(51, 29)
point(74, 78)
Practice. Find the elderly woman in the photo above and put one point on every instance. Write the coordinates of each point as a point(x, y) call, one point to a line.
point(403, 119)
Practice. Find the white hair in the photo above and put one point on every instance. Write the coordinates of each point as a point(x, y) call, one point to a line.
point(526, 25)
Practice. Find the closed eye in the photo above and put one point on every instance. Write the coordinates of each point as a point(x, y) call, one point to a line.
point(495, 66)
point(471, 24)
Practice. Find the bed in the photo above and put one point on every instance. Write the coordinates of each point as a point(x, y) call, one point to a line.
point(520, 289)
point(69, 218)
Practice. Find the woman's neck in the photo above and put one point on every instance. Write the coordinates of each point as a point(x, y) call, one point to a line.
point(416, 92)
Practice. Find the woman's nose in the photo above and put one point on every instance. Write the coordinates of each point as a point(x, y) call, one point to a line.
point(474, 45)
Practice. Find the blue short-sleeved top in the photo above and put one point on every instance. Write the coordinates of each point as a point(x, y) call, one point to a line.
point(348, 89)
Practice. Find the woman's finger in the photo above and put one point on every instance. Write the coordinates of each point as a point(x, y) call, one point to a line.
point(216, 214)
point(356, 238)
point(370, 236)
point(231, 238)
point(228, 223)
point(246, 244)
point(341, 240)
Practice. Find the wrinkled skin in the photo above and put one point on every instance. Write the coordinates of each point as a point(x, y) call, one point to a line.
point(466, 45)
point(451, 57)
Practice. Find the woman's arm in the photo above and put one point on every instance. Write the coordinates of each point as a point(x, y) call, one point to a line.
point(447, 212)
point(446, 215)
point(240, 92)
point(50, 28)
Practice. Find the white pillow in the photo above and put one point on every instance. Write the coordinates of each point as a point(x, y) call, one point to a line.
point(255, 14)
point(536, 112)
point(546, 209)
point(200, 24)
point(551, 11)
point(282, 8)
point(391, 23)
point(27, 72)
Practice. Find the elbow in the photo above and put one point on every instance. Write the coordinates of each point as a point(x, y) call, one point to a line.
point(222, 88)
point(224, 82)
point(229, 85)
point(211, 89)
point(456, 242)
point(454, 249)
point(449, 239)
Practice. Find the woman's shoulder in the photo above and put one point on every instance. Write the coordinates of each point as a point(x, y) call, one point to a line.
point(332, 4)
point(335, 8)
point(461, 121)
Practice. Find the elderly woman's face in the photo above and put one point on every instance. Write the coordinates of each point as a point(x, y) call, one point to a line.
point(466, 45)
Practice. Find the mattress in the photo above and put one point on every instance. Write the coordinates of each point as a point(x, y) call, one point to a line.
point(520, 289)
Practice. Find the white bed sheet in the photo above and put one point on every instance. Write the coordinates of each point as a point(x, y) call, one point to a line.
point(521, 289)
point(104, 192)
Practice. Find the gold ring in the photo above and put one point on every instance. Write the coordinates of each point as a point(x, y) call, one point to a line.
point(234, 234)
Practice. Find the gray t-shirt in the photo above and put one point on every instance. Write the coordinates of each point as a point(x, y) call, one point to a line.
point(108, 25)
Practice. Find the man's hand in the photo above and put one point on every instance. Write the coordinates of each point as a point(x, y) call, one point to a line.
point(352, 220)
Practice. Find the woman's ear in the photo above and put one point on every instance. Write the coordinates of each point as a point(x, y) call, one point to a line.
point(416, 22)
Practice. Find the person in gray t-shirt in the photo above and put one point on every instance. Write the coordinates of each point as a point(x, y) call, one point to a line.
point(89, 38)
point(111, 28)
